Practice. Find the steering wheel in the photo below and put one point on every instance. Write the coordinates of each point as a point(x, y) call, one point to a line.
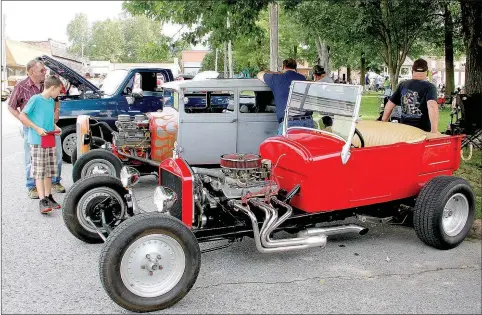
point(362, 141)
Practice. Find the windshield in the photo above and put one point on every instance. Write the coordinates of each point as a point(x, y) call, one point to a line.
point(112, 81)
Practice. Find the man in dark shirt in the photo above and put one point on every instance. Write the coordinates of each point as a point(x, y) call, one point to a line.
point(22, 92)
point(417, 98)
point(280, 82)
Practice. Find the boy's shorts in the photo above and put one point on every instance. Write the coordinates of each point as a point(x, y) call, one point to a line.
point(43, 162)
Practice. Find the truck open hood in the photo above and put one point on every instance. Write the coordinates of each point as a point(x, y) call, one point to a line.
point(69, 74)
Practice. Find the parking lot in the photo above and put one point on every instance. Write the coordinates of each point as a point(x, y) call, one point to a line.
point(389, 270)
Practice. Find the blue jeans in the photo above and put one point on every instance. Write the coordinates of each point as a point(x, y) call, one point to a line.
point(308, 123)
point(30, 181)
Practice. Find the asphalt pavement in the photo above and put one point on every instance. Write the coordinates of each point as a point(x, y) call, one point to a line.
point(47, 270)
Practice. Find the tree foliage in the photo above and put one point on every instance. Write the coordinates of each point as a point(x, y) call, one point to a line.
point(127, 39)
point(78, 33)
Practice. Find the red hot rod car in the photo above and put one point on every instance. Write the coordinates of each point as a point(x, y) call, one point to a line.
point(151, 260)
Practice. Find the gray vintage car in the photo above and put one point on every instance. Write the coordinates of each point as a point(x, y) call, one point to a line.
point(202, 119)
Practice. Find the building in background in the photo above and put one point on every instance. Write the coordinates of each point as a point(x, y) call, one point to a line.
point(18, 54)
point(191, 60)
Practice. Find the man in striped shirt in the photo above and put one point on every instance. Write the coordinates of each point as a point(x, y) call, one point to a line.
point(22, 92)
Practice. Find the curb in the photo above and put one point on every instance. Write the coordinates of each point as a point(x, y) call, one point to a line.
point(476, 230)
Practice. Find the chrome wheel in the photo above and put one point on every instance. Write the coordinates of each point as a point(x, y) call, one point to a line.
point(69, 143)
point(153, 265)
point(98, 166)
point(89, 206)
point(455, 214)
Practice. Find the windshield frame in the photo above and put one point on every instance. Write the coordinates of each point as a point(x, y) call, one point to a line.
point(329, 98)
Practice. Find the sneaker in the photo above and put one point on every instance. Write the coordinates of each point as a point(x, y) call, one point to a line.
point(53, 203)
point(45, 206)
point(32, 193)
point(58, 188)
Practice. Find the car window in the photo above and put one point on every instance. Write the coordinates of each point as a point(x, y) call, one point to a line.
point(112, 81)
point(251, 102)
point(206, 101)
point(171, 98)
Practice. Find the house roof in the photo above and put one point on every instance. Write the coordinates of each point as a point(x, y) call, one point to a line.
point(19, 54)
point(193, 55)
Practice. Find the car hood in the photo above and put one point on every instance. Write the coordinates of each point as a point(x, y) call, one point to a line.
point(69, 74)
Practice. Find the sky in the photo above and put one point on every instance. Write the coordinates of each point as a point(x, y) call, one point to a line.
point(41, 20)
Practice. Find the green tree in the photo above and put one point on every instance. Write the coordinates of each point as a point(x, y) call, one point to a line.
point(144, 41)
point(107, 42)
point(78, 33)
point(208, 18)
point(472, 30)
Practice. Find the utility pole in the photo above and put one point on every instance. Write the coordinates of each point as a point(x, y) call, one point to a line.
point(273, 36)
point(225, 60)
point(230, 53)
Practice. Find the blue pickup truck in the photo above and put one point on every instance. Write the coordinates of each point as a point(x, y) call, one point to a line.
point(113, 97)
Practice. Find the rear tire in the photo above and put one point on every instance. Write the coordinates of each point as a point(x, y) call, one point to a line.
point(97, 160)
point(145, 240)
point(100, 184)
point(444, 212)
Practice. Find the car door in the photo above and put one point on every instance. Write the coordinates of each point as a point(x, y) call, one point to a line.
point(256, 119)
point(151, 99)
point(151, 84)
point(207, 125)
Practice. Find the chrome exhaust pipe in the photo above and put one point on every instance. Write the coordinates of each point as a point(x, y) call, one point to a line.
point(273, 223)
point(312, 241)
point(333, 230)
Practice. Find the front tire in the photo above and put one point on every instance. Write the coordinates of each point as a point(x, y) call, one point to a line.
point(444, 212)
point(82, 200)
point(149, 262)
point(97, 161)
point(68, 138)
point(95, 143)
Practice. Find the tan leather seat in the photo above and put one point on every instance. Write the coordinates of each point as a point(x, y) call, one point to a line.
point(376, 133)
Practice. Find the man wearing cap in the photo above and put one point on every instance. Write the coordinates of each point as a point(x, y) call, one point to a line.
point(319, 75)
point(280, 82)
point(418, 99)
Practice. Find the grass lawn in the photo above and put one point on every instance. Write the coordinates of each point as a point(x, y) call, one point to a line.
point(469, 170)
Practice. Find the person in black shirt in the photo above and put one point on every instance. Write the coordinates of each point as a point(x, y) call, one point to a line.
point(417, 98)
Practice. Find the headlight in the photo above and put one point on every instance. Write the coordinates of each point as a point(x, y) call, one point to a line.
point(129, 176)
point(164, 198)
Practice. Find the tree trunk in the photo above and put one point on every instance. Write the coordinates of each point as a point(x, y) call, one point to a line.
point(348, 75)
point(472, 29)
point(324, 55)
point(295, 52)
point(449, 52)
point(273, 36)
point(362, 69)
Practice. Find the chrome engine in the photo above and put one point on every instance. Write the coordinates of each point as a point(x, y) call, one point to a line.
point(132, 132)
point(240, 175)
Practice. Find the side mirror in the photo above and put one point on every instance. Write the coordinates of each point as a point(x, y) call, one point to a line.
point(137, 93)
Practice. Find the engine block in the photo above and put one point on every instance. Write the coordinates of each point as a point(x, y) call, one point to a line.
point(132, 133)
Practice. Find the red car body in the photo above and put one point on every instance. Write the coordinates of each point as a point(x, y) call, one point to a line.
point(372, 174)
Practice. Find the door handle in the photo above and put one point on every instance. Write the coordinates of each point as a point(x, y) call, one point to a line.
point(234, 120)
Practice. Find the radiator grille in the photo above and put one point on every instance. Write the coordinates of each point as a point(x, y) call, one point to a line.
point(175, 183)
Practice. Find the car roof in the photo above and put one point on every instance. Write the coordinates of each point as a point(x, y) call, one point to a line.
point(215, 83)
